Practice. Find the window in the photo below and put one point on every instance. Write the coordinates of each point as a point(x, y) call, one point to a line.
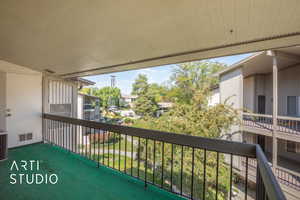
point(293, 106)
point(292, 147)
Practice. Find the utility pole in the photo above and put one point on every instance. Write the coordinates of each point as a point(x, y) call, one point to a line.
point(113, 81)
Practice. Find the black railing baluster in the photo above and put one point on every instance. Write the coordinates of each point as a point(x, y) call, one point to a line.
point(139, 148)
point(154, 151)
point(146, 163)
point(103, 153)
point(172, 158)
point(181, 170)
point(90, 143)
point(98, 147)
point(217, 176)
point(120, 140)
point(82, 141)
point(114, 149)
point(192, 178)
point(230, 179)
point(108, 149)
point(86, 148)
point(204, 175)
point(162, 164)
point(94, 141)
point(62, 133)
point(56, 136)
point(125, 154)
point(246, 179)
point(50, 132)
point(71, 138)
point(76, 138)
point(131, 167)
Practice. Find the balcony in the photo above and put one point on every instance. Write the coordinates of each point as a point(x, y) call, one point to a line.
point(79, 178)
point(89, 166)
point(159, 161)
point(263, 124)
point(288, 128)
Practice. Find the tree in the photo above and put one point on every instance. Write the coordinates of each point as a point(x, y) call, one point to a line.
point(140, 85)
point(187, 78)
point(192, 115)
point(159, 92)
point(145, 104)
point(109, 96)
point(87, 91)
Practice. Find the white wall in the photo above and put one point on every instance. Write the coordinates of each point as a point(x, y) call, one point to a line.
point(24, 98)
point(2, 100)
point(215, 97)
point(288, 85)
point(231, 91)
point(249, 93)
point(80, 106)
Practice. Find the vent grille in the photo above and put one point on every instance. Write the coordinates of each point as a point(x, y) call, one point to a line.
point(25, 137)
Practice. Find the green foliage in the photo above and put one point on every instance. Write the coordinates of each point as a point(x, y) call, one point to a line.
point(190, 77)
point(87, 91)
point(159, 92)
point(191, 115)
point(108, 96)
point(140, 86)
point(145, 104)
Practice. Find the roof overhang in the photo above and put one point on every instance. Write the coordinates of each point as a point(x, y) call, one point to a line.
point(81, 38)
point(262, 63)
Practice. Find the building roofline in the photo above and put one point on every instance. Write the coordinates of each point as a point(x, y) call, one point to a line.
point(88, 95)
point(83, 81)
point(239, 63)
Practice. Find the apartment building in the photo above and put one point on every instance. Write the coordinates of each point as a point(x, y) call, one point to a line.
point(265, 87)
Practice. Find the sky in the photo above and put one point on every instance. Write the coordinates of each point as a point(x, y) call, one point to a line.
point(159, 74)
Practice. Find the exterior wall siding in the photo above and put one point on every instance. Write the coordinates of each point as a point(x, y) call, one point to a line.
point(24, 98)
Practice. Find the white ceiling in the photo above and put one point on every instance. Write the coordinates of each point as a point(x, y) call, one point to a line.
point(83, 37)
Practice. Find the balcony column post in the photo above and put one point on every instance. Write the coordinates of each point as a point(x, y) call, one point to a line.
point(275, 107)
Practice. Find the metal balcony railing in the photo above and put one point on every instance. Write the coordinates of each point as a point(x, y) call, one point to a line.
point(179, 163)
point(289, 124)
point(285, 124)
point(283, 175)
point(258, 121)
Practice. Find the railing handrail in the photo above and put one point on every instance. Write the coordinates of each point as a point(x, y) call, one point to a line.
point(257, 115)
point(273, 188)
point(289, 118)
point(270, 116)
point(223, 146)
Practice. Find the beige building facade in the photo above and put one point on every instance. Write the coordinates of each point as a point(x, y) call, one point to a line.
point(265, 88)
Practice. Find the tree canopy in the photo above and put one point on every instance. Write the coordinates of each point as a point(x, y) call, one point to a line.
point(109, 96)
point(145, 104)
point(191, 114)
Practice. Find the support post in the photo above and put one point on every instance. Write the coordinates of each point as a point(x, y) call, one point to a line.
point(275, 109)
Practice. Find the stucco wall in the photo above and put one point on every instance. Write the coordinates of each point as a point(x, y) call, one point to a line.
point(215, 97)
point(231, 92)
point(288, 85)
point(249, 93)
point(24, 98)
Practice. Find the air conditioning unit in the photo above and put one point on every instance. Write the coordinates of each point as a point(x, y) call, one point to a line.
point(3, 145)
